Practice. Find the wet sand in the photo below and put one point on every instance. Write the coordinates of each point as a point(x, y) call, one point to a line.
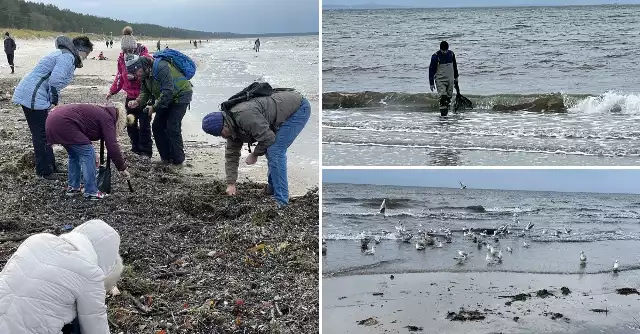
point(424, 300)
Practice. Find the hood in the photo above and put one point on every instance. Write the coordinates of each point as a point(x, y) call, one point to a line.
point(66, 43)
point(106, 243)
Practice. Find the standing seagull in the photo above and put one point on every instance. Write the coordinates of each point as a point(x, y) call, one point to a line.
point(583, 258)
point(383, 207)
point(615, 267)
point(370, 251)
point(462, 186)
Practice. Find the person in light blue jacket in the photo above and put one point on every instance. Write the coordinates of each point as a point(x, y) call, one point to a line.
point(39, 91)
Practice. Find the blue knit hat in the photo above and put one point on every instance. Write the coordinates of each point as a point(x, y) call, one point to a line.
point(213, 123)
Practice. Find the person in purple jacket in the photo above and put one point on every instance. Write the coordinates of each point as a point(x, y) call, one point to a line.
point(75, 126)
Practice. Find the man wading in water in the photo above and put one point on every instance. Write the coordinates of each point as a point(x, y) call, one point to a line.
point(444, 71)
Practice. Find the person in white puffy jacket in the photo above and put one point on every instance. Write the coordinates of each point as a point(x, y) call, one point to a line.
point(52, 281)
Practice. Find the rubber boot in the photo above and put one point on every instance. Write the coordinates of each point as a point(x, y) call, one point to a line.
point(444, 105)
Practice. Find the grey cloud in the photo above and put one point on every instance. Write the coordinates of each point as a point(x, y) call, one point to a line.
point(239, 16)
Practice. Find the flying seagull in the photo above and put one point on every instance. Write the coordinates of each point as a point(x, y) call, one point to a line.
point(462, 186)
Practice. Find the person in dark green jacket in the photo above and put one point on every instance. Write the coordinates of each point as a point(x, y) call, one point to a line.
point(171, 98)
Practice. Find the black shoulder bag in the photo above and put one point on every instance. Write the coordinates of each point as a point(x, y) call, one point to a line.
point(104, 172)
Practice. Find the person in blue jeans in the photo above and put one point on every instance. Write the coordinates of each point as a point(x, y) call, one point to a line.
point(76, 126)
point(39, 91)
point(274, 122)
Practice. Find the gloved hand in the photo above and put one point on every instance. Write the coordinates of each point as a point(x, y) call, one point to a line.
point(433, 88)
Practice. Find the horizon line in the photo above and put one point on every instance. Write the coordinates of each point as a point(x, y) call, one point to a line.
point(390, 6)
point(470, 188)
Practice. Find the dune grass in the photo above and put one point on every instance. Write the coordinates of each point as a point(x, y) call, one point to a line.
point(34, 34)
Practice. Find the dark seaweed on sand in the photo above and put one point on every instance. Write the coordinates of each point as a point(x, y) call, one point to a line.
point(197, 261)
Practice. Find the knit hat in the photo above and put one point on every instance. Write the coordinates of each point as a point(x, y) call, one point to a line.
point(128, 42)
point(133, 63)
point(213, 123)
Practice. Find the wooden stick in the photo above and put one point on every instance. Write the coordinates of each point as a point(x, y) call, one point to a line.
point(175, 273)
point(136, 302)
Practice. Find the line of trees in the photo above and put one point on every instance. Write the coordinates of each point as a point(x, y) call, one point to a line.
point(46, 17)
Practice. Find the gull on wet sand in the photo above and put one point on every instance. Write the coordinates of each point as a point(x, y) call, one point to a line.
point(407, 238)
point(583, 258)
point(460, 258)
point(615, 267)
point(463, 254)
point(490, 259)
point(525, 244)
point(370, 251)
point(509, 250)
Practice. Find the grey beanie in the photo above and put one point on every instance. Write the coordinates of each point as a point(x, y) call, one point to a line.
point(128, 42)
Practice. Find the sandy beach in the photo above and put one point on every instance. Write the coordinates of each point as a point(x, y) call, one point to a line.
point(424, 300)
point(91, 85)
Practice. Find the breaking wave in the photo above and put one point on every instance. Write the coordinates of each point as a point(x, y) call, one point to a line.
point(609, 102)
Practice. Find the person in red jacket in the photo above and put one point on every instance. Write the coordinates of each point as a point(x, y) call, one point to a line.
point(76, 126)
point(140, 131)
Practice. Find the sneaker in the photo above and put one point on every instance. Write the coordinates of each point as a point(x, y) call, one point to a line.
point(267, 190)
point(72, 192)
point(94, 197)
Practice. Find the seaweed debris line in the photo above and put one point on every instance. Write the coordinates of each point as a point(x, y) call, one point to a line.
point(196, 260)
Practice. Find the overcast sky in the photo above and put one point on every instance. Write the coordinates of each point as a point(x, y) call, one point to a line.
point(238, 16)
point(463, 3)
point(601, 181)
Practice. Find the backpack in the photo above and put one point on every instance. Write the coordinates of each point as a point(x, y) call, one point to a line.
point(182, 62)
point(256, 89)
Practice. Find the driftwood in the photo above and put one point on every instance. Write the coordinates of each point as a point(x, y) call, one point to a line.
point(136, 302)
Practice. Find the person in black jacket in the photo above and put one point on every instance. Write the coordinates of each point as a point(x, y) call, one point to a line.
point(9, 49)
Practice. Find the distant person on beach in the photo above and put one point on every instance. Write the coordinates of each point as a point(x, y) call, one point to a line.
point(172, 95)
point(39, 91)
point(256, 45)
point(58, 284)
point(76, 126)
point(443, 74)
point(158, 45)
point(195, 44)
point(273, 121)
point(9, 49)
point(140, 131)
